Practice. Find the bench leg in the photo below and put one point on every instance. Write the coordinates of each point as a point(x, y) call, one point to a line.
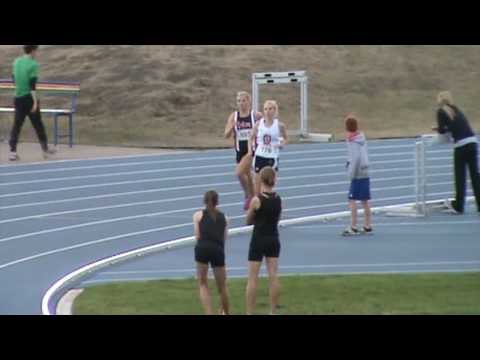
point(70, 130)
point(55, 130)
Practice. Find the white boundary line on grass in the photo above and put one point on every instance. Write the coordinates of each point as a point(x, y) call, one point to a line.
point(179, 243)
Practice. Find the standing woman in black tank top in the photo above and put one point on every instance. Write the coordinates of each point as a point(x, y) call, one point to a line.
point(264, 213)
point(211, 229)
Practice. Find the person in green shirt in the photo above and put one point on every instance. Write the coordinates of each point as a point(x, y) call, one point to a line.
point(25, 76)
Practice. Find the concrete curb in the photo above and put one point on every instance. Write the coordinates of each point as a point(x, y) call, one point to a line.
point(65, 305)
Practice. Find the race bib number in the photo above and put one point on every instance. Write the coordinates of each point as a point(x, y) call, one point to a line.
point(266, 149)
point(244, 134)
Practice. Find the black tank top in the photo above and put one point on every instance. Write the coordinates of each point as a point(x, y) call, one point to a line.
point(212, 232)
point(243, 123)
point(267, 216)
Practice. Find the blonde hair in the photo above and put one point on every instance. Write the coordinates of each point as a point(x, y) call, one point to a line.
point(241, 94)
point(271, 103)
point(445, 98)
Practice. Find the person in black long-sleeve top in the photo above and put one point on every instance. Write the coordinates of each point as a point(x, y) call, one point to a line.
point(451, 120)
point(211, 230)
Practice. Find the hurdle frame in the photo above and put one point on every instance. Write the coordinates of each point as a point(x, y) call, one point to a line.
point(420, 178)
point(287, 77)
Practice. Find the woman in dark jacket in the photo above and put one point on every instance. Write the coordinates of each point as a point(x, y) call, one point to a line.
point(451, 120)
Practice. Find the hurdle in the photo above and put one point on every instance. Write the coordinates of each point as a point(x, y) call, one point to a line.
point(289, 77)
point(425, 200)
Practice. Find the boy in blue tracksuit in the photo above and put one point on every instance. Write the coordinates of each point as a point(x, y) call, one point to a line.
point(358, 174)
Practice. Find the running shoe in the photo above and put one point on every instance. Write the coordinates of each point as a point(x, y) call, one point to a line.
point(449, 208)
point(367, 231)
point(350, 231)
point(13, 156)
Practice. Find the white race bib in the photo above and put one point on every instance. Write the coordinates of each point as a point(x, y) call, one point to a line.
point(244, 134)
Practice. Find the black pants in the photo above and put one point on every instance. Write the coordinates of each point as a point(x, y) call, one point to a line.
point(23, 108)
point(464, 156)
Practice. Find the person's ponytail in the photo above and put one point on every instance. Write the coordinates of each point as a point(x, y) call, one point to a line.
point(210, 200)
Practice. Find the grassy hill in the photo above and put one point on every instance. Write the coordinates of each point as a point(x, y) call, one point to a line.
point(181, 95)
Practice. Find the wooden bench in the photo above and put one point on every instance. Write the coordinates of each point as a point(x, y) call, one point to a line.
point(55, 88)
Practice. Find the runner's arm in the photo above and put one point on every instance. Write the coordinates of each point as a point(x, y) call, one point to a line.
point(283, 133)
point(252, 138)
point(229, 127)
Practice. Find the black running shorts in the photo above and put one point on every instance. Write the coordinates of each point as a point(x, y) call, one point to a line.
point(261, 162)
point(260, 248)
point(215, 257)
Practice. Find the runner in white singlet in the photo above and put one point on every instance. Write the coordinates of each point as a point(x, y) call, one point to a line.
point(269, 136)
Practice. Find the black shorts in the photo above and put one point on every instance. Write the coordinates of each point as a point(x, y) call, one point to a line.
point(261, 162)
point(243, 146)
point(269, 248)
point(240, 155)
point(215, 257)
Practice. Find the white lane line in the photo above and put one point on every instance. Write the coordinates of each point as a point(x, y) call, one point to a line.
point(67, 248)
point(193, 159)
point(119, 157)
point(199, 197)
point(99, 241)
point(379, 200)
point(197, 186)
point(340, 145)
point(143, 172)
point(295, 267)
point(111, 195)
point(346, 204)
point(129, 182)
point(383, 224)
point(189, 187)
point(107, 166)
point(101, 222)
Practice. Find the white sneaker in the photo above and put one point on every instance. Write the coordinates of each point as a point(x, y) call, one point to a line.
point(13, 156)
point(449, 208)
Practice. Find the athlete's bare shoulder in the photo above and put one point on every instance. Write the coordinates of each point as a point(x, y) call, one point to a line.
point(197, 217)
